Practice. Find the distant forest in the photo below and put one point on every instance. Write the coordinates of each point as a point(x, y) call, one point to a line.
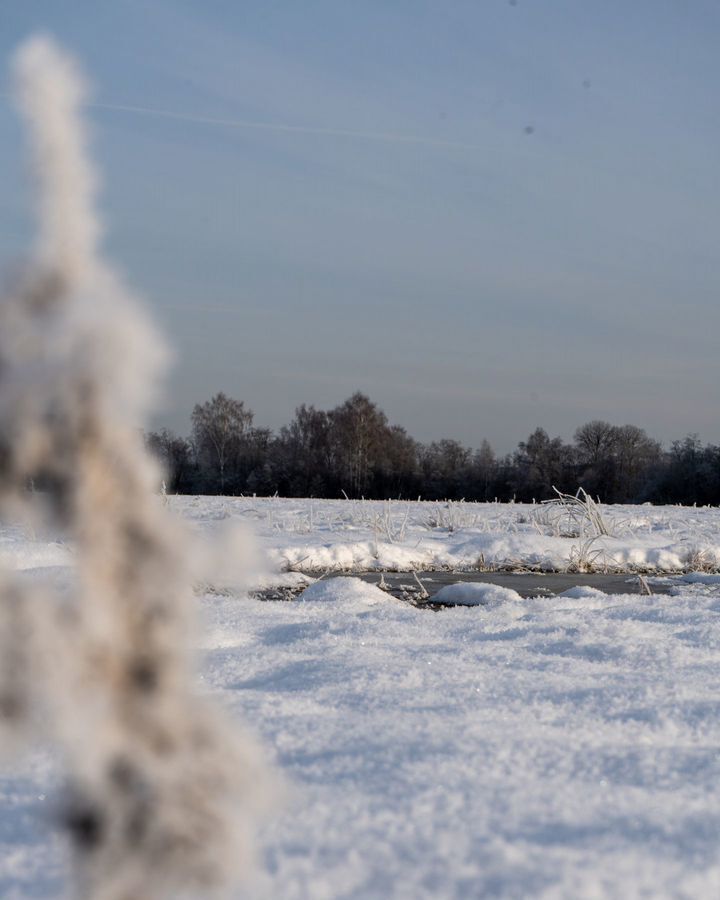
point(353, 450)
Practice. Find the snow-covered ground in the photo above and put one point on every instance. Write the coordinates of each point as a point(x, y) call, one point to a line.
point(346, 536)
point(550, 747)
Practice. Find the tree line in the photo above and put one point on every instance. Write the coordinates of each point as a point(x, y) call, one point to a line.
point(353, 450)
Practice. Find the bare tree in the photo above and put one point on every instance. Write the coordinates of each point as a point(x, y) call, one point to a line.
point(595, 442)
point(306, 451)
point(174, 454)
point(596, 445)
point(398, 463)
point(636, 454)
point(358, 429)
point(485, 466)
point(541, 463)
point(445, 466)
point(218, 428)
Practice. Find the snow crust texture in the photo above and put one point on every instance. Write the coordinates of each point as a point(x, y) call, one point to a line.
point(556, 747)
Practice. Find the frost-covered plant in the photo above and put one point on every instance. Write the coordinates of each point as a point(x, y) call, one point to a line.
point(589, 555)
point(571, 515)
point(699, 559)
point(451, 516)
point(160, 792)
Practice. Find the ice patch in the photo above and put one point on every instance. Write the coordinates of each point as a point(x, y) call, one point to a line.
point(700, 578)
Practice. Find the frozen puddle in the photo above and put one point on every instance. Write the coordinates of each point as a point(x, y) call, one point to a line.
point(525, 584)
point(443, 588)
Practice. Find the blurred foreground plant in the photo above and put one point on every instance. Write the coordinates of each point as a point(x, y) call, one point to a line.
point(161, 794)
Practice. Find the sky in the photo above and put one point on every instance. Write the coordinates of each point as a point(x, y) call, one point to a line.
point(488, 216)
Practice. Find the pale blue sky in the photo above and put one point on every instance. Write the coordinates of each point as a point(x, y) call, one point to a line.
point(402, 233)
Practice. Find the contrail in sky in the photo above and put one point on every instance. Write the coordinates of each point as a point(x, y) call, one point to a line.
point(387, 137)
point(384, 136)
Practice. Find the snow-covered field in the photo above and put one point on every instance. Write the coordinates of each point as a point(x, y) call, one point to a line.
point(550, 747)
point(344, 536)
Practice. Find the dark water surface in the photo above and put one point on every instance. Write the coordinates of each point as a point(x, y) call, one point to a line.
point(527, 585)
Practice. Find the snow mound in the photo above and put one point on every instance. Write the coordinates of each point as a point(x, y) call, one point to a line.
point(474, 594)
point(351, 591)
point(583, 592)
